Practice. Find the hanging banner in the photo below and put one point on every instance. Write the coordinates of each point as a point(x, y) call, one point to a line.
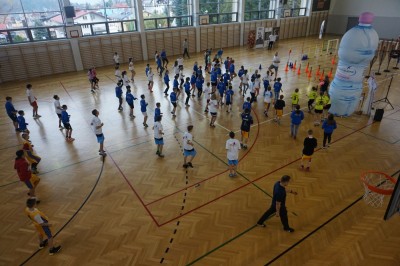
point(260, 37)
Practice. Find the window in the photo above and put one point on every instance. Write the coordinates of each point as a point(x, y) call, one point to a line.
point(167, 13)
point(294, 8)
point(220, 11)
point(258, 9)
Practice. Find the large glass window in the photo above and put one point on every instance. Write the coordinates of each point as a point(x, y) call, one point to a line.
point(36, 20)
point(220, 11)
point(167, 13)
point(294, 8)
point(258, 9)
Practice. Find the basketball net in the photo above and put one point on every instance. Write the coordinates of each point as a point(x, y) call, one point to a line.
point(377, 185)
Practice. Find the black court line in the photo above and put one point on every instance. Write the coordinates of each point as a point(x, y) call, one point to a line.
point(366, 134)
point(75, 214)
point(320, 227)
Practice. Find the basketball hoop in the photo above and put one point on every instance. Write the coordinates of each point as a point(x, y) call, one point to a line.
point(377, 185)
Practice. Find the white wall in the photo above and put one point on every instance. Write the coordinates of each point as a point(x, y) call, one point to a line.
point(387, 15)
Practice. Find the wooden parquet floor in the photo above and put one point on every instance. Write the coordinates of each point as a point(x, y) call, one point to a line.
point(137, 209)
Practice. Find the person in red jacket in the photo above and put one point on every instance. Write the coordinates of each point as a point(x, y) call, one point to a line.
point(25, 174)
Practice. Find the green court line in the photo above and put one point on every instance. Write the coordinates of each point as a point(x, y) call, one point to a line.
point(266, 193)
point(220, 246)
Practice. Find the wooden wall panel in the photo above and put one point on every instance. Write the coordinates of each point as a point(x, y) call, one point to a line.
point(6, 72)
point(98, 54)
point(224, 37)
point(136, 46)
point(192, 41)
point(316, 20)
point(236, 35)
point(168, 41)
point(203, 38)
point(176, 39)
point(210, 38)
point(151, 45)
point(217, 37)
point(86, 53)
point(29, 60)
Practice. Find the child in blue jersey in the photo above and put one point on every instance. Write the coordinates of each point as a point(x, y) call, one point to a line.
point(232, 69)
point(65, 120)
point(147, 69)
point(193, 79)
point(226, 64)
point(228, 99)
point(226, 78)
point(240, 74)
point(173, 99)
point(21, 122)
point(159, 65)
point(157, 111)
point(277, 88)
point(187, 91)
point(247, 104)
point(199, 86)
point(213, 78)
point(175, 86)
point(143, 109)
point(247, 120)
point(118, 94)
point(266, 81)
point(129, 100)
point(166, 81)
point(199, 71)
point(221, 90)
point(195, 68)
point(219, 53)
point(328, 126)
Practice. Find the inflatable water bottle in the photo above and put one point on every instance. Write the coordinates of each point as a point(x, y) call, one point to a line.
point(356, 50)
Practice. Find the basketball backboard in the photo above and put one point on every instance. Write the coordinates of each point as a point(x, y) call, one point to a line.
point(394, 203)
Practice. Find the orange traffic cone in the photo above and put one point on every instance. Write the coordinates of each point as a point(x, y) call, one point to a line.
point(298, 70)
point(317, 73)
point(307, 67)
point(321, 78)
point(330, 73)
point(333, 60)
point(309, 73)
point(286, 68)
point(294, 66)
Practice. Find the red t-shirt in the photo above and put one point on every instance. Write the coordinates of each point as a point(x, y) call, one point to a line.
point(22, 167)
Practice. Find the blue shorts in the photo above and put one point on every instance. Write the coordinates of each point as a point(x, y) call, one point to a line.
point(47, 231)
point(100, 138)
point(29, 184)
point(159, 141)
point(187, 153)
point(233, 162)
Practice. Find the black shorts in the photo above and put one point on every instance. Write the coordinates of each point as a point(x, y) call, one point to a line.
point(228, 103)
point(318, 111)
point(67, 126)
point(174, 104)
point(131, 105)
point(13, 118)
point(214, 84)
point(326, 107)
point(213, 114)
point(59, 115)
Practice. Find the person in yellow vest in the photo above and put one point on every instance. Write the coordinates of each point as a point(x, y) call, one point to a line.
point(295, 99)
point(319, 109)
point(41, 223)
point(327, 101)
point(311, 98)
point(32, 158)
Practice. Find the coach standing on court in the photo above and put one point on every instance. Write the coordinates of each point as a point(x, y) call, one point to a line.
point(278, 205)
point(185, 48)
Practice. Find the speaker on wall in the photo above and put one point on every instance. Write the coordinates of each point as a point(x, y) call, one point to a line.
point(69, 11)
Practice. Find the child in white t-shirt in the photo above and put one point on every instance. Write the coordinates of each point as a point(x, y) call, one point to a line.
point(232, 149)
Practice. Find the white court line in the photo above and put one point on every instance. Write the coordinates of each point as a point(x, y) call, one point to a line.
point(210, 119)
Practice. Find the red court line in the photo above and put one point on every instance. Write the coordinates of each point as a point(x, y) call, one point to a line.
point(242, 186)
point(134, 191)
point(208, 178)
